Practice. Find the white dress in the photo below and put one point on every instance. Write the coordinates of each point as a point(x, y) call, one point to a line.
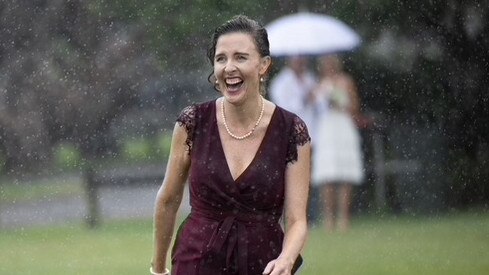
point(337, 154)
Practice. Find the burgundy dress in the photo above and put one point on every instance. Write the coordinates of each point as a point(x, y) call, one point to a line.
point(233, 227)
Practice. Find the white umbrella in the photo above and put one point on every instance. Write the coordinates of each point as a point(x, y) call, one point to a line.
point(308, 33)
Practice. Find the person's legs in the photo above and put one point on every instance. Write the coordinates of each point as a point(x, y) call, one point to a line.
point(329, 206)
point(344, 206)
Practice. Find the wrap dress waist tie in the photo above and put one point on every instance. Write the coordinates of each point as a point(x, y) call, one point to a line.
point(237, 238)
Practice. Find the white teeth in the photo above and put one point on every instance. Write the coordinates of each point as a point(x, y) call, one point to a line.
point(233, 81)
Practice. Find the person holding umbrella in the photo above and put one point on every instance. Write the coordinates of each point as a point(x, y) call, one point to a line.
point(292, 88)
point(309, 35)
point(314, 35)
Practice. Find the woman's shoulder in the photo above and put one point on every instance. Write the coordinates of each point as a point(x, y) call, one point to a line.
point(292, 121)
point(190, 113)
point(191, 117)
point(195, 109)
point(297, 132)
point(201, 105)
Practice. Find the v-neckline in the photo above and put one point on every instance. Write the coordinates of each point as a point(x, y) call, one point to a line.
point(257, 153)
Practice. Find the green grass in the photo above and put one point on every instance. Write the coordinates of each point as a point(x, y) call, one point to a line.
point(455, 244)
point(15, 192)
point(451, 244)
point(116, 248)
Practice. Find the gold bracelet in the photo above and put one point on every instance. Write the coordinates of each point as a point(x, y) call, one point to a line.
point(167, 272)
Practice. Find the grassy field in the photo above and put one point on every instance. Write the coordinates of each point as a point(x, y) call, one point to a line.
point(455, 244)
point(450, 244)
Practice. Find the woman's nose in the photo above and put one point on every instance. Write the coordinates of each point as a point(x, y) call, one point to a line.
point(230, 67)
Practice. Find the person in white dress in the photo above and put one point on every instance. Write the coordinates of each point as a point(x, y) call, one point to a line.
point(337, 158)
point(292, 89)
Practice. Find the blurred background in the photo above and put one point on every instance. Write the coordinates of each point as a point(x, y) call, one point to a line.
point(90, 90)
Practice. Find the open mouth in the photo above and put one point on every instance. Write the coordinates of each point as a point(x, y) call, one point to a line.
point(234, 84)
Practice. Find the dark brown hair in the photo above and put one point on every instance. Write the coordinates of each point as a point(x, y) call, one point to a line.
point(243, 24)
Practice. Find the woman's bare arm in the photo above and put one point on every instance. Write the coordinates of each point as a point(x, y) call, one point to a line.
point(169, 197)
point(297, 178)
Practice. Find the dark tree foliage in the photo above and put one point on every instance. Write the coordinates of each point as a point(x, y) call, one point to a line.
point(66, 73)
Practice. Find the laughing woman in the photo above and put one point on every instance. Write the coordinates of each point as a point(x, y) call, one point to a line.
point(248, 163)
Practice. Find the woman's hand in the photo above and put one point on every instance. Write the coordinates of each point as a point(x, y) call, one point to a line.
point(279, 266)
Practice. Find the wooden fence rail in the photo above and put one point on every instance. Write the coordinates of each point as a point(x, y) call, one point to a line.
point(124, 176)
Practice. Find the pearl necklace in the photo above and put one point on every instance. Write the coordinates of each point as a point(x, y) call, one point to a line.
point(252, 129)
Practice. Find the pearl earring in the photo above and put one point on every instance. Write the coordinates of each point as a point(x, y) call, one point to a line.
point(262, 79)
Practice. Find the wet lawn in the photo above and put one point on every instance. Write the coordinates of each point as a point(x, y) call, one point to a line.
point(450, 244)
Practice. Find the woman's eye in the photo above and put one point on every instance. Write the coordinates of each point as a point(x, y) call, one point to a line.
point(219, 59)
point(241, 57)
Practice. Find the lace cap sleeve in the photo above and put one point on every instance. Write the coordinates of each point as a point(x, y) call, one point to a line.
point(187, 119)
point(298, 137)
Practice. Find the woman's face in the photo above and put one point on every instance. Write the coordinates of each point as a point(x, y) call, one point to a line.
point(238, 66)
